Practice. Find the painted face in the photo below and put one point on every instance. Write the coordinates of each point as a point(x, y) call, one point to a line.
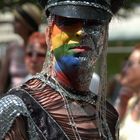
point(76, 43)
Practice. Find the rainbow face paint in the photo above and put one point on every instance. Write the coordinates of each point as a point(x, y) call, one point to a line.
point(76, 45)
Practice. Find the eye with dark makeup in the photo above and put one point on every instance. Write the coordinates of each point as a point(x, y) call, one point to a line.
point(63, 21)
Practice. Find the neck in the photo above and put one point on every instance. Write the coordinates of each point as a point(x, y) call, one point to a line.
point(74, 81)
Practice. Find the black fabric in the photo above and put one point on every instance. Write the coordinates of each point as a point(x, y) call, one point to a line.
point(113, 5)
point(47, 128)
point(81, 12)
point(116, 4)
point(106, 3)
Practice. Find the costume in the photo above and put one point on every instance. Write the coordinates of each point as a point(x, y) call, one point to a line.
point(63, 107)
point(41, 113)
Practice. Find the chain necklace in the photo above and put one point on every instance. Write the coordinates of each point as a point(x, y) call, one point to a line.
point(90, 98)
point(71, 119)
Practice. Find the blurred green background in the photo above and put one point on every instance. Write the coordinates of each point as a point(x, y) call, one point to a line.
point(118, 51)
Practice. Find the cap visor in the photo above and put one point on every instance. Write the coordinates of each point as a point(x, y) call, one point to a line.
point(81, 12)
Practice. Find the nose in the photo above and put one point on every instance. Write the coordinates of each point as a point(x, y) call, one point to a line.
point(34, 57)
point(80, 33)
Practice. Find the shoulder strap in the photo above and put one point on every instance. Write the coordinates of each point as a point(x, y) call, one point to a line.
point(11, 107)
point(43, 120)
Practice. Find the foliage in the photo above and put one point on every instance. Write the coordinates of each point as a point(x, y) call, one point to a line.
point(131, 3)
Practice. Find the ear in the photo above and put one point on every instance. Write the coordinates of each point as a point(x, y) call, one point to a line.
point(47, 36)
point(116, 5)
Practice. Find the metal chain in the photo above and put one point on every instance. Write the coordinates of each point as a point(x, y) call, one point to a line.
point(89, 98)
point(71, 119)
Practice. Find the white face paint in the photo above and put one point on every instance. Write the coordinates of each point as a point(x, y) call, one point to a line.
point(93, 38)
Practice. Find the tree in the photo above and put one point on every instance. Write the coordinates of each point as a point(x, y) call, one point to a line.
point(130, 4)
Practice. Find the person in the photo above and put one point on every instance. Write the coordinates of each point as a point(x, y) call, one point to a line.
point(56, 104)
point(114, 85)
point(27, 19)
point(121, 104)
point(131, 80)
point(35, 54)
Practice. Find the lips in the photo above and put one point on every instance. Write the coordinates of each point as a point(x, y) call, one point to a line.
point(79, 49)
